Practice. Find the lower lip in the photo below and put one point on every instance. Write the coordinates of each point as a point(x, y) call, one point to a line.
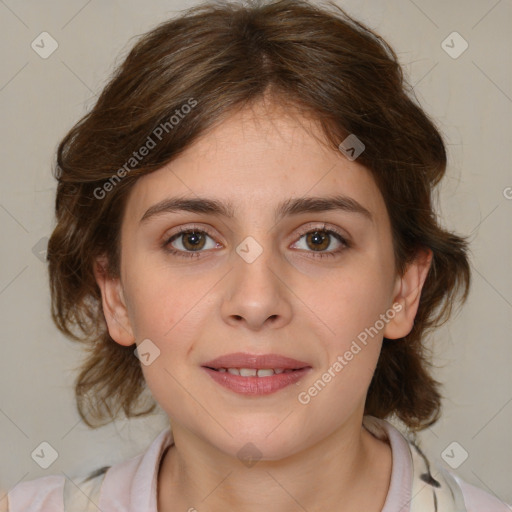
point(256, 385)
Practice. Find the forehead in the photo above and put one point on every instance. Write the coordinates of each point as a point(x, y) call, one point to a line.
point(255, 160)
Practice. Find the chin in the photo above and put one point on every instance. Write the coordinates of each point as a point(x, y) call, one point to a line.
point(261, 446)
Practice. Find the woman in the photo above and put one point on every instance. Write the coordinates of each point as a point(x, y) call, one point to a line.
point(245, 228)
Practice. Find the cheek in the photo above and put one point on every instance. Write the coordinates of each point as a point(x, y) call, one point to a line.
point(159, 300)
point(162, 311)
point(354, 299)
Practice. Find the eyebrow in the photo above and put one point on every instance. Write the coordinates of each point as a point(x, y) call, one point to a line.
point(290, 207)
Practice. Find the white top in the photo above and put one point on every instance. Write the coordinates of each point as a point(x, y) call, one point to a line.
point(131, 485)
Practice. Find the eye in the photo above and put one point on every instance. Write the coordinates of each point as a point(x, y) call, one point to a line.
point(320, 239)
point(189, 242)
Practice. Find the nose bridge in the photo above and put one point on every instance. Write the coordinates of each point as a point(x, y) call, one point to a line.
point(255, 251)
point(254, 263)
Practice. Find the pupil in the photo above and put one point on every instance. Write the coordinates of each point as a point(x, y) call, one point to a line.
point(193, 239)
point(318, 239)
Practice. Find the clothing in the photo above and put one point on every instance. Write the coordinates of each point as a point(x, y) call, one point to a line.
point(131, 485)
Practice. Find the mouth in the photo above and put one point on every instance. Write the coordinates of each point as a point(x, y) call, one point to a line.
point(251, 374)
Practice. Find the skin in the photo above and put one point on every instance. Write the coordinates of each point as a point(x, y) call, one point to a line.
point(288, 301)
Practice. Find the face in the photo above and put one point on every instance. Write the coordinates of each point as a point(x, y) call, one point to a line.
point(284, 275)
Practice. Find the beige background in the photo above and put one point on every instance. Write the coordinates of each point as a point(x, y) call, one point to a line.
point(40, 99)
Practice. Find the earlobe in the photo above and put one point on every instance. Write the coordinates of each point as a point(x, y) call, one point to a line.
point(114, 305)
point(408, 293)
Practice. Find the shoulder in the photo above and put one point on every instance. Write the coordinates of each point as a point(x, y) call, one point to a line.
point(113, 484)
point(54, 493)
point(43, 494)
point(419, 482)
point(477, 499)
point(450, 491)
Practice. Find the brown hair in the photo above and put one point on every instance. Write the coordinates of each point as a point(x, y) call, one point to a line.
point(216, 58)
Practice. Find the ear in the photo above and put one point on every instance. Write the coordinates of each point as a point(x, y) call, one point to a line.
point(114, 305)
point(407, 295)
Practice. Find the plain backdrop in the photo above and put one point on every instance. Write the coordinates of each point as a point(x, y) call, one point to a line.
point(470, 97)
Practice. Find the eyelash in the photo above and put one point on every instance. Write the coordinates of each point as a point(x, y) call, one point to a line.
point(194, 254)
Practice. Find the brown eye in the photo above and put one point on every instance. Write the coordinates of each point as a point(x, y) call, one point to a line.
point(193, 240)
point(189, 241)
point(318, 240)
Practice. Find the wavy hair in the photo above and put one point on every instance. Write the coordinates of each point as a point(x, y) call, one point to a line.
point(224, 56)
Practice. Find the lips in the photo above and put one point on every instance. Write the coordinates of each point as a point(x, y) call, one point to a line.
point(252, 374)
point(240, 360)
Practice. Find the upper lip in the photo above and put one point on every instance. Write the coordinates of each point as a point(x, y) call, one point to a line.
point(257, 361)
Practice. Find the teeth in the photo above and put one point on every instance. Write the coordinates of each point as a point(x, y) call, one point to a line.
point(253, 372)
point(248, 372)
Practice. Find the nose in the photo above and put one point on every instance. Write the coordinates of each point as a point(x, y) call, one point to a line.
point(256, 294)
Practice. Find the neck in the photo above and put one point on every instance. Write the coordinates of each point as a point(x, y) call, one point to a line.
point(348, 471)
